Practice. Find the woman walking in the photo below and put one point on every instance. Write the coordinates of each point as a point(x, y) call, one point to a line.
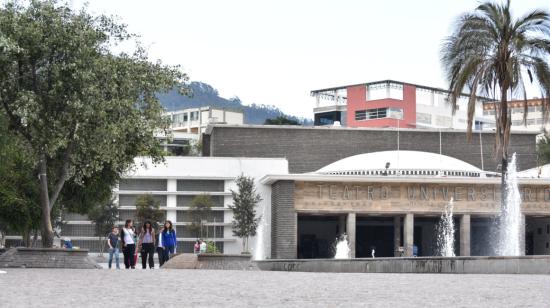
point(128, 244)
point(169, 242)
point(147, 245)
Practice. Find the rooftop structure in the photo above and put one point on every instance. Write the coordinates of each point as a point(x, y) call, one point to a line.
point(390, 103)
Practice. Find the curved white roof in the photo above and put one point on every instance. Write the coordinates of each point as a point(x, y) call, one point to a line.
point(401, 162)
point(537, 172)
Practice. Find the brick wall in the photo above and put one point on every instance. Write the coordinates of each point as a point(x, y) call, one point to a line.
point(283, 221)
point(309, 149)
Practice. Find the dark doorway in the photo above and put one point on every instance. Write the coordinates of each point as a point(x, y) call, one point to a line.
point(317, 235)
point(374, 233)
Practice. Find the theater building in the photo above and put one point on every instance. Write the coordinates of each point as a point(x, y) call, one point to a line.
point(391, 201)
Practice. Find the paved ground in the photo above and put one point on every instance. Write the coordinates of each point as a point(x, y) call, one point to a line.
point(189, 288)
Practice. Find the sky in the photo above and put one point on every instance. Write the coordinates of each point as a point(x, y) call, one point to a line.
point(276, 52)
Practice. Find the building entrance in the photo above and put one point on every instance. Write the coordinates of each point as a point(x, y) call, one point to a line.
point(317, 235)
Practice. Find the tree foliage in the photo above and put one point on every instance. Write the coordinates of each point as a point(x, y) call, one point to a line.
point(147, 208)
point(19, 208)
point(200, 210)
point(543, 150)
point(104, 216)
point(245, 200)
point(82, 109)
point(487, 53)
point(281, 120)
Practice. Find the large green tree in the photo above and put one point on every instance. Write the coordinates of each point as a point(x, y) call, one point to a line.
point(19, 208)
point(80, 107)
point(487, 54)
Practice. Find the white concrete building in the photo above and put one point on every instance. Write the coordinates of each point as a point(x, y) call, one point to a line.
point(195, 120)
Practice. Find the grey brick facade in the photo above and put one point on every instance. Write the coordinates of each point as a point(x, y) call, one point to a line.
point(311, 148)
point(284, 221)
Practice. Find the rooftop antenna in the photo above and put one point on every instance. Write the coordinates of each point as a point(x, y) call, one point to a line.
point(440, 154)
point(481, 148)
point(398, 120)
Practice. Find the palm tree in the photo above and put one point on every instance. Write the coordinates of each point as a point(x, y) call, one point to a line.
point(490, 53)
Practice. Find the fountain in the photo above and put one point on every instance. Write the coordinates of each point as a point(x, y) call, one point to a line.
point(510, 220)
point(259, 251)
point(342, 247)
point(446, 232)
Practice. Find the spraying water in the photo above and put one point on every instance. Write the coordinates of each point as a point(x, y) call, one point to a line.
point(446, 232)
point(342, 248)
point(510, 220)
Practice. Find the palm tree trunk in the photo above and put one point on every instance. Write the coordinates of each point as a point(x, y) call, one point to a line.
point(504, 140)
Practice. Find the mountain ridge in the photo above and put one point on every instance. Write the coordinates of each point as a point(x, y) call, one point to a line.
point(203, 95)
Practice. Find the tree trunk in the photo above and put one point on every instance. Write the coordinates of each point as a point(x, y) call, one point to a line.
point(47, 230)
point(26, 238)
point(101, 245)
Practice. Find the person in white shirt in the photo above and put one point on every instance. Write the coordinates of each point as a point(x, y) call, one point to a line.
point(127, 237)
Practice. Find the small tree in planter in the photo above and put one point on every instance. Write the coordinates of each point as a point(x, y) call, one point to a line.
point(104, 216)
point(245, 200)
point(200, 209)
point(147, 208)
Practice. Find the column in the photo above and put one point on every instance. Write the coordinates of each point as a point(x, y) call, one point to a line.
point(465, 235)
point(409, 234)
point(171, 201)
point(396, 236)
point(350, 230)
point(522, 236)
point(341, 224)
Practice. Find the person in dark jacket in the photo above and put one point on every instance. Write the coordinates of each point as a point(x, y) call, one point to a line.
point(127, 237)
point(169, 241)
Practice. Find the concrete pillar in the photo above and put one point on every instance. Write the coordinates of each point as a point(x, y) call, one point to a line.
point(522, 236)
point(341, 224)
point(396, 236)
point(350, 230)
point(408, 235)
point(171, 201)
point(465, 235)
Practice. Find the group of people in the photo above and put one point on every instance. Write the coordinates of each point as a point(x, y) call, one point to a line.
point(199, 247)
point(146, 241)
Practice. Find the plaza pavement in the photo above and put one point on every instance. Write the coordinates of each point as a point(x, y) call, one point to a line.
point(203, 288)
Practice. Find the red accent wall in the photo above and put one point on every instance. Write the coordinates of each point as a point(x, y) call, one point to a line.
point(357, 100)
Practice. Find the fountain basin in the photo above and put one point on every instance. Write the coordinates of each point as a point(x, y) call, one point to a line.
point(446, 265)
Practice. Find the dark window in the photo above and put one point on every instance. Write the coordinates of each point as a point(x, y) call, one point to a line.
point(539, 230)
point(377, 113)
point(548, 229)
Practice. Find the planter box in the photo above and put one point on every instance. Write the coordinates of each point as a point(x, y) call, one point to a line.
point(211, 261)
point(22, 257)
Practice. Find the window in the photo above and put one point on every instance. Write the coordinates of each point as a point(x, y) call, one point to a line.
point(443, 121)
point(548, 229)
point(379, 113)
point(489, 112)
point(425, 118)
point(384, 90)
point(194, 116)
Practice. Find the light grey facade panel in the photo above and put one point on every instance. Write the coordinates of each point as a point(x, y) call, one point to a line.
point(130, 200)
point(143, 184)
point(187, 216)
point(183, 201)
point(201, 185)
